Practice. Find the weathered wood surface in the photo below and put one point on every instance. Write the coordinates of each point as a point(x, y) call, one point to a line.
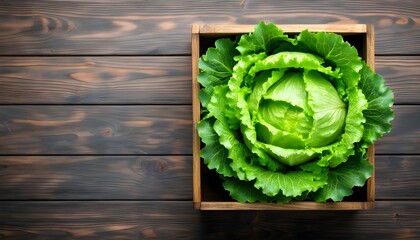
point(177, 220)
point(402, 75)
point(152, 177)
point(140, 130)
point(163, 27)
point(96, 177)
point(405, 135)
point(95, 80)
point(64, 159)
point(142, 80)
point(95, 130)
point(397, 177)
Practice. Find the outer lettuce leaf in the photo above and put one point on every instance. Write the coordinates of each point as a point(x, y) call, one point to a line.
point(204, 95)
point(216, 67)
point(343, 178)
point(265, 38)
point(292, 183)
point(379, 113)
point(244, 191)
point(214, 154)
point(219, 108)
point(336, 53)
point(217, 64)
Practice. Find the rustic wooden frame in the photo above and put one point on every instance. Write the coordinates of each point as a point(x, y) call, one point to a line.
point(366, 52)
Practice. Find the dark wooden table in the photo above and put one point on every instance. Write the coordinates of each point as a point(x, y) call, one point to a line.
point(96, 124)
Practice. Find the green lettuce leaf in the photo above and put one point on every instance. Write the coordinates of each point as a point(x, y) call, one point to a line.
point(216, 67)
point(219, 107)
point(244, 191)
point(343, 178)
point(265, 38)
point(336, 53)
point(353, 131)
point(214, 154)
point(237, 100)
point(290, 184)
point(294, 60)
point(329, 111)
point(217, 64)
point(379, 113)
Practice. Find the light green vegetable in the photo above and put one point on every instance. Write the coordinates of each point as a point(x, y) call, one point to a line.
point(290, 118)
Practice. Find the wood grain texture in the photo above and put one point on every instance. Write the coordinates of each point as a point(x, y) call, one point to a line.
point(91, 177)
point(142, 80)
point(371, 182)
point(59, 52)
point(291, 206)
point(195, 54)
point(176, 220)
point(397, 177)
point(95, 130)
point(95, 80)
point(140, 130)
point(402, 75)
point(150, 177)
point(153, 177)
point(163, 27)
point(405, 135)
point(207, 30)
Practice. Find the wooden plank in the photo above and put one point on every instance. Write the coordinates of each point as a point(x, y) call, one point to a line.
point(92, 177)
point(98, 80)
point(95, 130)
point(140, 130)
point(173, 220)
point(402, 75)
point(397, 177)
point(142, 80)
point(405, 135)
point(152, 177)
point(163, 27)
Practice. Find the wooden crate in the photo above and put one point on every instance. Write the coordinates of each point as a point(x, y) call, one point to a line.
point(208, 192)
